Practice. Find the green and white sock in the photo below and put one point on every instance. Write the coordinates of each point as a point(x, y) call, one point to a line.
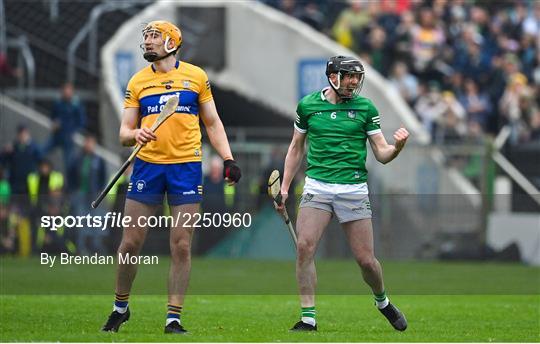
point(381, 300)
point(308, 315)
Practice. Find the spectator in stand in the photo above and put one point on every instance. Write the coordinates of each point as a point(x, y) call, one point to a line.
point(469, 59)
point(531, 24)
point(41, 183)
point(311, 14)
point(428, 39)
point(21, 159)
point(5, 188)
point(87, 179)
point(117, 199)
point(476, 104)
point(351, 23)
point(404, 38)
point(41, 186)
point(68, 117)
point(431, 107)
point(534, 134)
point(213, 203)
point(8, 73)
point(404, 82)
point(453, 123)
point(378, 51)
point(515, 105)
point(8, 232)
point(59, 240)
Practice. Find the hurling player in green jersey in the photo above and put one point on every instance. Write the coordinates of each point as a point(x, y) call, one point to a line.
point(337, 122)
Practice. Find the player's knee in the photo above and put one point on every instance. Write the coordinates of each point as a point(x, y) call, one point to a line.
point(181, 250)
point(305, 249)
point(131, 246)
point(367, 262)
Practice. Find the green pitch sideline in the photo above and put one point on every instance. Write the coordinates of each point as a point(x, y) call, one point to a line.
point(338, 122)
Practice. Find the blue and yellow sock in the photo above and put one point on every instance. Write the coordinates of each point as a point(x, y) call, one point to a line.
point(121, 302)
point(381, 300)
point(308, 315)
point(173, 313)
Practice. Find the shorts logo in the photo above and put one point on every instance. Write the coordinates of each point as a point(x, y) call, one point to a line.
point(351, 114)
point(307, 197)
point(190, 192)
point(141, 184)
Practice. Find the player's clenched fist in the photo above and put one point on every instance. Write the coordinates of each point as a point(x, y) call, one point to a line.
point(231, 171)
point(400, 136)
point(144, 135)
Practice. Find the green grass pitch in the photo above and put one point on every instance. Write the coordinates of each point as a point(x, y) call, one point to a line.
point(255, 301)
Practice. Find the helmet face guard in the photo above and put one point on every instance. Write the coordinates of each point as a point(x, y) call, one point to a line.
point(166, 31)
point(341, 66)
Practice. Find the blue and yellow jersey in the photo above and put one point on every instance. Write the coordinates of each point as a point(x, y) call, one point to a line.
point(179, 138)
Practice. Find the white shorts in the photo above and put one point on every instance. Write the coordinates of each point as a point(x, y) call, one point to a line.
point(350, 202)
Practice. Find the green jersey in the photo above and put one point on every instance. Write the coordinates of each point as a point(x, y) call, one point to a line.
point(337, 135)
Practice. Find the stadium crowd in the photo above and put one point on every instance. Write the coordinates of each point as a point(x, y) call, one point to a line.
point(467, 68)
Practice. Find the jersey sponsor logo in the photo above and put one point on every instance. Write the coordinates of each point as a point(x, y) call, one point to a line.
point(163, 99)
point(318, 113)
point(153, 104)
point(159, 108)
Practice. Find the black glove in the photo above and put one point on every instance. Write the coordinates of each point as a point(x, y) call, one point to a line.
point(231, 171)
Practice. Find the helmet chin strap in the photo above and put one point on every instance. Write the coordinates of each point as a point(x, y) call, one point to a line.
point(336, 87)
point(152, 56)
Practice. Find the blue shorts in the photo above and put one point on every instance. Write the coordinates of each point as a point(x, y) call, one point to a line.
point(182, 182)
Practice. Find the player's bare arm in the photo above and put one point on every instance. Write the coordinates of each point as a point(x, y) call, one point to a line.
point(294, 157)
point(218, 139)
point(385, 152)
point(129, 133)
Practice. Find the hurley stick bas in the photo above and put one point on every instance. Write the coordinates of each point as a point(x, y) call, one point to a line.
point(168, 109)
point(274, 190)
